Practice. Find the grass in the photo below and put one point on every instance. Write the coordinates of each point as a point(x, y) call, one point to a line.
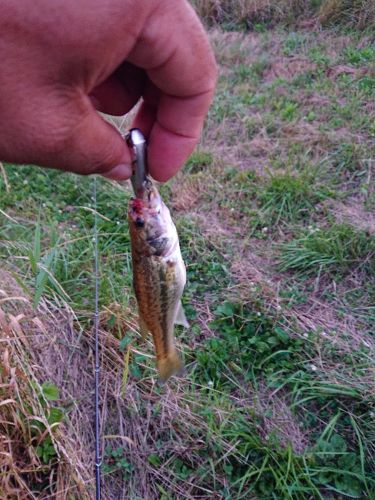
point(274, 212)
point(287, 197)
point(337, 249)
point(258, 14)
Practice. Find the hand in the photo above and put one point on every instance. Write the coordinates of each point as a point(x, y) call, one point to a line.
point(60, 60)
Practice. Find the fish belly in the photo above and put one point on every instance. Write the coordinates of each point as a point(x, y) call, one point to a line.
point(158, 285)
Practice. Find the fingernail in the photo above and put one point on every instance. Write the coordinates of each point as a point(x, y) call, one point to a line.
point(119, 173)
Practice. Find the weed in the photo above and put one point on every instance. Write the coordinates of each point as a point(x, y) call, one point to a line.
point(336, 249)
point(203, 274)
point(294, 43)
point(287, 197)
point(255, 71)
point(355, 55)
point(249, 344)
point(277, 401)
point(198, 161)
point(285, 108)
point(115, 462)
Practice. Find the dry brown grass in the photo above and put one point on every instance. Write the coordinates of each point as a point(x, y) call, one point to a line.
point(246, 13)
point(278, 420)
point(353, 213)
point(357, 12)
point(27, 354)
point(47, 344)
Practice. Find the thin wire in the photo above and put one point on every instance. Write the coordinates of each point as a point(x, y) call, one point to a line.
point(98, 459)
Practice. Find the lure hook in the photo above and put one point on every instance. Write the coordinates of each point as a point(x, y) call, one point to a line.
point(137, 143)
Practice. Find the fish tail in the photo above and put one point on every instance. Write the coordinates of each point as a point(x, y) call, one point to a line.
point(170, 365)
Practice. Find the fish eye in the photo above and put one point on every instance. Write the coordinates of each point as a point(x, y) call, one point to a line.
point(139, 222)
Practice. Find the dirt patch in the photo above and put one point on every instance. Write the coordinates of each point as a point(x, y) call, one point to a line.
point(262, 145)
point(333, 44)
point(234, 47)
point(187, 193)
point(278, 421)
point(244, 157)
point(342, 330)
point(352, 211)
point(288, 68)
point(9, 287)
point(305, 133)
point(320, 141)
point(314, 99)
point(341, 69)
point(254, 265)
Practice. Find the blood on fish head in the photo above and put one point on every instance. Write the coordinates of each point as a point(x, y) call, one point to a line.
point(150, 222)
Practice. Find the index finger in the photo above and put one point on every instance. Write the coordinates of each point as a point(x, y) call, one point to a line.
point(176, 54)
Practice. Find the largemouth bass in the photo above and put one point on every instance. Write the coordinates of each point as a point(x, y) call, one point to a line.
point(159, 276)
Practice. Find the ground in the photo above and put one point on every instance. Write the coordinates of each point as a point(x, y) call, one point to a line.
point(275, 212)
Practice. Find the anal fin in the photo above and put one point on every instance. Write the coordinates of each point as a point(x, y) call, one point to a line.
point(181, 317)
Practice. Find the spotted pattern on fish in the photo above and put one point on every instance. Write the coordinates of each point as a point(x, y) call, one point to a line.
point(158, 276)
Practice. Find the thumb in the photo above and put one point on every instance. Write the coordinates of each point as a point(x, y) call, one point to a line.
point(93, 146)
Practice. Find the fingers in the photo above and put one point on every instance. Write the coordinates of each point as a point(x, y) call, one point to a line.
point(181, 66)
point(165, 49)
point(66, 133)
point(93, 147)
point(173, 127)
point(121, 91)
point(71, 136)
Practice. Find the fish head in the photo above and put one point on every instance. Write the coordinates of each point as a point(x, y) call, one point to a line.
point(151, 227)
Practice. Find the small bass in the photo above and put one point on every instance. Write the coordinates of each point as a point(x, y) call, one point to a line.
point(159, 275)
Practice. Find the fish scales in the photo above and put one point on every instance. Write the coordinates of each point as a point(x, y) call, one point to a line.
point(159, 277)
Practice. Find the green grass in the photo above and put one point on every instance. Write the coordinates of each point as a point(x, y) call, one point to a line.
point(199, 161)
point(289, 198)
point(277, 401)
point(55, 261)
point(259, 15)
point(336, 249)
point(355, 55)
point(249, 347)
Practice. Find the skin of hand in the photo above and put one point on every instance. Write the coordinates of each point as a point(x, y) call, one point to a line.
point(63, 60)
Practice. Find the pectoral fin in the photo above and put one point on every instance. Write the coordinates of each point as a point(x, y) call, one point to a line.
point(180, 317)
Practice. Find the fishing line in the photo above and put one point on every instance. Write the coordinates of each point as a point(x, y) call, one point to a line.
point(98, 459)
point(138, 143)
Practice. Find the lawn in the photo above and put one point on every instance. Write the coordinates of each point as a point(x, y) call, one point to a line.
point(275, 212)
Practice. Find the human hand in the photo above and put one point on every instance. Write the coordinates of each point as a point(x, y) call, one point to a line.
point(60, 60)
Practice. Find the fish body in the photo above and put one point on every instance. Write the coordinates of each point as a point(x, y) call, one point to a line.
point(159, 276)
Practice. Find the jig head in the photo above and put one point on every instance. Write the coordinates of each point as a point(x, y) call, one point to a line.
point(137, 143)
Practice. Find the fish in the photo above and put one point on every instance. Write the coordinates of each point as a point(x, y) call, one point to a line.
point(159, 276)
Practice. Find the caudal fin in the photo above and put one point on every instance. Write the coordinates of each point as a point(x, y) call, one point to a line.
point(171, 365)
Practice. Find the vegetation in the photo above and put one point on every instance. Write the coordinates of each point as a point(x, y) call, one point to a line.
point(275, 212)
point(253, 14)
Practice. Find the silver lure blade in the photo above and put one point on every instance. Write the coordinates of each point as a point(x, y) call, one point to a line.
point(137, 142)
